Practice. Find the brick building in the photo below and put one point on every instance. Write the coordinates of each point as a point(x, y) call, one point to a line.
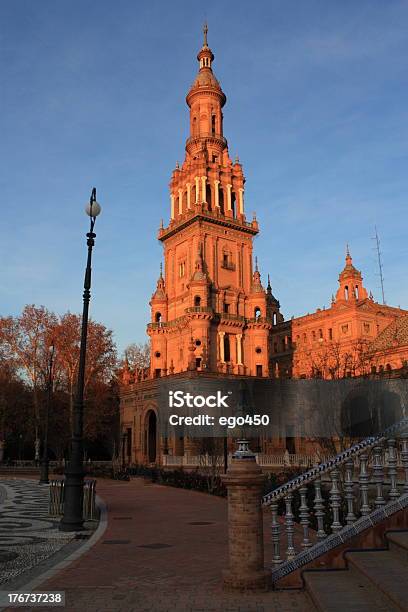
point(342, 340)
point(210, 314)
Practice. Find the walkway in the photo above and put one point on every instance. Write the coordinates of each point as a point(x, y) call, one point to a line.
point(163, 550)
point(27, 534)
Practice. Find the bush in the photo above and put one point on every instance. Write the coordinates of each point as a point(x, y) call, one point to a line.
point(197, 481)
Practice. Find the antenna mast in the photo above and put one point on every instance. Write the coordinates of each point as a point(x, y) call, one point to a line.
point(380, 266)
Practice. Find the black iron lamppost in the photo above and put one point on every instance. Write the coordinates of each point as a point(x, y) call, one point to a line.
point(72, 519)
point(45, 460)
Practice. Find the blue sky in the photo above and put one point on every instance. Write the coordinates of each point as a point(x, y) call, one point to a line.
point(93, 94)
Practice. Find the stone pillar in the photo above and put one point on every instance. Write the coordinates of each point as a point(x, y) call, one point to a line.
point(216, 194)
point(197, 186)
point(229, 204)
point(241, 201)
point(180, 194)
point(239, 349)
point(221, 340)
point(172, 206)
point(203, 188)
point(188, 185)
point(244, 481)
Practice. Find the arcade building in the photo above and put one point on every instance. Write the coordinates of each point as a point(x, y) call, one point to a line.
point(210, 313)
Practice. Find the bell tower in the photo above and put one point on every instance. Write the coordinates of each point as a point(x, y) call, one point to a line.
point(351, 287)
point(210, 310)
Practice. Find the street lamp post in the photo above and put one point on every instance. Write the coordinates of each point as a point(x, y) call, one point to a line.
point(45, 460)
point(72, 519)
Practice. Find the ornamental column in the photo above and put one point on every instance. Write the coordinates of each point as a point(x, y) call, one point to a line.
point(180, 207)
point(203, 182)
point(239, 349)
point(172, 206)
point(244, 481)
point(229, 204)
point(188, 185)
point(216, 194)
point(197, 189)
point(241, 201)
point(221, 335)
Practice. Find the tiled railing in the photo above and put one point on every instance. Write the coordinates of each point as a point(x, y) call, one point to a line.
point(346, 489)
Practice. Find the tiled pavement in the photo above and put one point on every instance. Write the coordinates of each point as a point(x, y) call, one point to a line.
point(163, 549)
point(27, 534)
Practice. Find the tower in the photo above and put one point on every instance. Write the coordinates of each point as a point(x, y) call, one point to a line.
point(351, 283)
point(210, 298)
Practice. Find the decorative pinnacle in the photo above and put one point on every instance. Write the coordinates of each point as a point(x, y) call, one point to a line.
point(256, 264)
point(161, 269)
point(205, 31)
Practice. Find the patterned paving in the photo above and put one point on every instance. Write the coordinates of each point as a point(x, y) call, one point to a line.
point(27, 534)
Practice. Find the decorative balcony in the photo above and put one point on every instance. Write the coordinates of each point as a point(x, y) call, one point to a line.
point(228, 265)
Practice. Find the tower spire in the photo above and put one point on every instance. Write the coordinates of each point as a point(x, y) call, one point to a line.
point(205, 32)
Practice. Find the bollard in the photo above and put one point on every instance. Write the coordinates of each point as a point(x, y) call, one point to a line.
point(244, 480)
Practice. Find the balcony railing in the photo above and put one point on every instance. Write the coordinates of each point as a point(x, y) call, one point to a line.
point(199, 309)
point(199, 137)
point(228, 265)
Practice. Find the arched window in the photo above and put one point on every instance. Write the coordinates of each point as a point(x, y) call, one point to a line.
point(346, 293)
point(257, 312)
point(233, 203)
point(356, 292)
point(157, 317)
point(221, 199)
point(208, 197)
point(195, 126)
point(227, 351)
point(213, 118)
point(197, 301)
point(274, 318)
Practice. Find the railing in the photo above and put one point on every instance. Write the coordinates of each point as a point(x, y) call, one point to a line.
point(194, 461)
point(259, 320)
point(231, 316)
point(228, 265)
point(264, 460)
point(345, 489)
point(56, 499)
point(199, 137)
point(199, 309)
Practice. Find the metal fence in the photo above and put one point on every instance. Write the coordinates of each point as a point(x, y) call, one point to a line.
point(56, 499)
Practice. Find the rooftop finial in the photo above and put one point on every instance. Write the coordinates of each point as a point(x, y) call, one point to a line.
point(161, 269)
point(256, 264)
point(205, 31)
point(347, 250)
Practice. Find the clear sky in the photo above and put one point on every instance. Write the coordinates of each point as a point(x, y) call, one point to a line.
point(93, 94)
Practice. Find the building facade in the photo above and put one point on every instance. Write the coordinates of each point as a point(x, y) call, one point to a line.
point(210, 314)
point(339, 341)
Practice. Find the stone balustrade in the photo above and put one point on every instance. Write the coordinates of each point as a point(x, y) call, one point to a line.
point(338, 494)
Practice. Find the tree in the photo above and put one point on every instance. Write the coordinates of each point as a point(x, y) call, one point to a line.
point(137, 355)
point(25, 339)
point(100, 355)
